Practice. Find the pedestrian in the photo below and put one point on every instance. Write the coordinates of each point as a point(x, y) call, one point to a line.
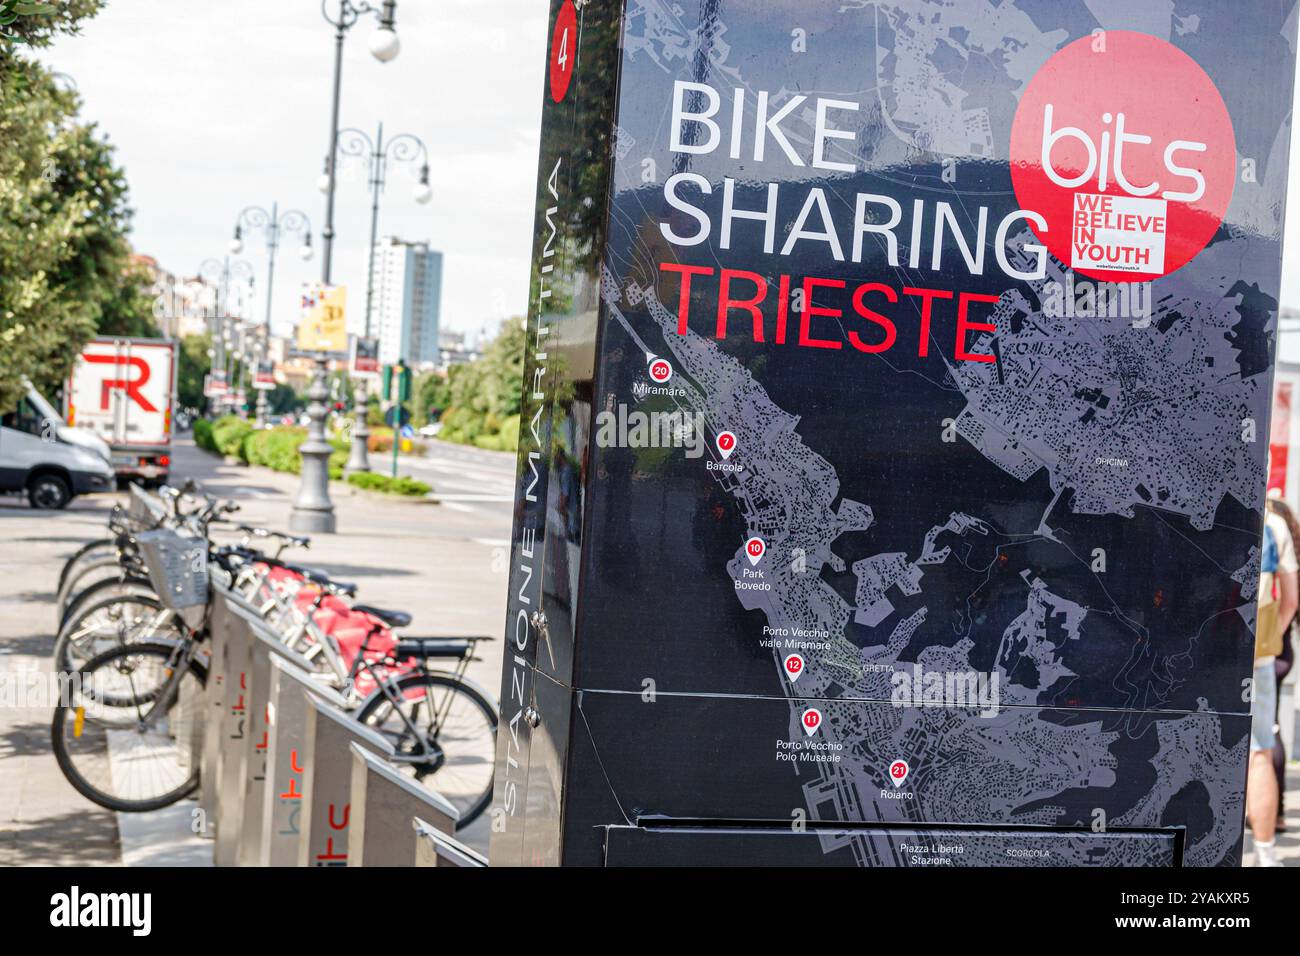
point(1276, 606)
point(1281, 667)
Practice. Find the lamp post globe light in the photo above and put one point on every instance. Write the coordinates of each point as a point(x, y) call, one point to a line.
point(312, 509)
point(272, 224)
point(404, 148)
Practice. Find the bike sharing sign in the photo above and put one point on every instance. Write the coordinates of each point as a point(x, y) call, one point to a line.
point(837, 241)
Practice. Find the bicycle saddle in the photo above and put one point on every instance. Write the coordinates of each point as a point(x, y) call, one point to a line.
point(390, 618)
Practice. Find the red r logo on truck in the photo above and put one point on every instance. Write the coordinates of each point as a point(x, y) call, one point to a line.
point(132, 388)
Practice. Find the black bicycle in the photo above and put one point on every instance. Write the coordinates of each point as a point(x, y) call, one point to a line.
point(441, 725)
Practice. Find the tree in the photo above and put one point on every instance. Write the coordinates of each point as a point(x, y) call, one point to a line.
point(195, 363)
point(128, 306)
point(432, 396)
point(486, 395)
point(35, 24)
point(282, 399)
point(63, 218)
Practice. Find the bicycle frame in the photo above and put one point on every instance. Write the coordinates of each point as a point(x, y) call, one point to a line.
point(386, 684)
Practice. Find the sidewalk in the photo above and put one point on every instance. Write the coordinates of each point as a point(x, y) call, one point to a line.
point(445, 566)
point(1288, 843)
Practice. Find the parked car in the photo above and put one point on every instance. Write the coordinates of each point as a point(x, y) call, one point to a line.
point(50, 461)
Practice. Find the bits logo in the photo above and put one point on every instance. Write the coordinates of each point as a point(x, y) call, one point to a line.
point(1124, 147)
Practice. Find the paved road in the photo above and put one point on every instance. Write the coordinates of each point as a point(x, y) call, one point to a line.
point(444, 563)
point(464, 479)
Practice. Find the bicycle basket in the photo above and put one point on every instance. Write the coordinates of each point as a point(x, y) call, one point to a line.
point(145, 510)
point(178, 571)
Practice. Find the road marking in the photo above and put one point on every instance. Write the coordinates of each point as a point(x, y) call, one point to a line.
point(473, 497)
point(492, 542)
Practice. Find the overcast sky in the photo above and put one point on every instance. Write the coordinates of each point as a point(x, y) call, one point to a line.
point(214, 106)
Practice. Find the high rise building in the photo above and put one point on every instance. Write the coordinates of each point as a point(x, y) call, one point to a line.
point(407, 295)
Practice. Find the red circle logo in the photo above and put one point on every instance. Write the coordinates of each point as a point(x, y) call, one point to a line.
point(1123, 145)
point(660, 370)
point(564, 48)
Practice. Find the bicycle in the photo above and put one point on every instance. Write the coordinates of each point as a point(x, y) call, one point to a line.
point(134, 676)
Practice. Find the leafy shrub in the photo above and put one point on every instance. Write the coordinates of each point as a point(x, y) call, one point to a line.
point(509, 435)
point(402, 485)
point(203, 434)
point(274, 448)
point(507, 439)
point(228, 434)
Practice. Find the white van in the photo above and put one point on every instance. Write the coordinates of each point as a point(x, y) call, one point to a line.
point(42, 456)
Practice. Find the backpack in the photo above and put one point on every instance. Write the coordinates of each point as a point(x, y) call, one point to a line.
point(1268, 638)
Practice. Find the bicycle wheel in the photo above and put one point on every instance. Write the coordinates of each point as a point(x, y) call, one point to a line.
point(118, 586)
point(129, 736)
point(112, 622)
point(104, 566)
point(102, 547)
point(457, 725)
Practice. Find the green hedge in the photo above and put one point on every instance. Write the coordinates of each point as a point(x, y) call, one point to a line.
point(373, 481)
point(228, 434)
point(274, 448)
point(465, 428)
point(203, 434)
point(277, 449)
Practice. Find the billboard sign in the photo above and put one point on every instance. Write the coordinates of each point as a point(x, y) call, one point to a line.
point(322, 326)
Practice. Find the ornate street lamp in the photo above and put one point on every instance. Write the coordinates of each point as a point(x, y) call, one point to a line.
point(404, 148)
point(219, 273)
point(312, 509)
point(271, 223)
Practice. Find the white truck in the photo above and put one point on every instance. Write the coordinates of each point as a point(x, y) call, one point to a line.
point(124, 390)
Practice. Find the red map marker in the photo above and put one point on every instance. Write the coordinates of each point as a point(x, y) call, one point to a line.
point(812, 719)
point(793, 667)
point(726, 444)
point(898, 771)
point(755, 549)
